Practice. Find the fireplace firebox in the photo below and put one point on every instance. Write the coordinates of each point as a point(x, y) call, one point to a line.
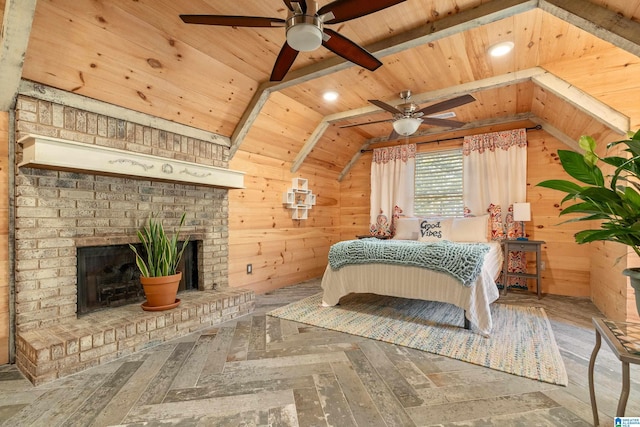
point(108, 276)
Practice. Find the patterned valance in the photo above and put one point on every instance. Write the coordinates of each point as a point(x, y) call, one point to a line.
point(490, 141)
point(390, 154)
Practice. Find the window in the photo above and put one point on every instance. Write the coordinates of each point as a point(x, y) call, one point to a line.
point(438, 184)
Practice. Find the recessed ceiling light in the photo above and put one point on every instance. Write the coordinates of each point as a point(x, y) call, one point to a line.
point(501, 49)
point(330, 96)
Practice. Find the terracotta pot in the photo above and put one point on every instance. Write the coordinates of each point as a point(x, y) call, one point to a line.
point(634, 279)
point(161, 291)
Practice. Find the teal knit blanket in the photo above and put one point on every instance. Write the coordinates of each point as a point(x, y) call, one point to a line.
point(463, 261)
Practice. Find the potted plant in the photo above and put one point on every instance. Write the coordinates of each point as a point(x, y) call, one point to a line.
point(158, 264)
point(615, 200)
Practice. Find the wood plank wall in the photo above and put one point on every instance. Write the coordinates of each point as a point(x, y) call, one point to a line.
point(4, 238)
point(282, 251)
point(566, 263)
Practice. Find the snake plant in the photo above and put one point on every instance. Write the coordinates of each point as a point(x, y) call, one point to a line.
point(161, 254)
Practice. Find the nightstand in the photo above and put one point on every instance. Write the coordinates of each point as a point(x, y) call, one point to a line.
point(513, 245)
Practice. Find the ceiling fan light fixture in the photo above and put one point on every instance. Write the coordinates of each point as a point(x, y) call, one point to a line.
point(501, 49)
point(406, 126)
point(304, 37)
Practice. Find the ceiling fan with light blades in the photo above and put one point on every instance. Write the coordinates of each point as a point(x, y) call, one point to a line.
point(305, 29)
point(407, 118)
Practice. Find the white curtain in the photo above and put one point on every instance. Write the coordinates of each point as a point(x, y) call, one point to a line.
point(495, 177)
point(392, 178)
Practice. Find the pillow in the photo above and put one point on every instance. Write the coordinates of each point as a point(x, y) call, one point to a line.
point(470, 229)
point(435, 229)
point(407, 229)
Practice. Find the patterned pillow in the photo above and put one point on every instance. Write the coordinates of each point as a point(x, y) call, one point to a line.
point(435, 229)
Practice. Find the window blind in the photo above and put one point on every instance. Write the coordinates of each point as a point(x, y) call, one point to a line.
point(438, 184)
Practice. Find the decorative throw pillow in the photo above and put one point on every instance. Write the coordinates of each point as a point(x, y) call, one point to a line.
point(470, 229)
point(407, 229)
point(435, 229)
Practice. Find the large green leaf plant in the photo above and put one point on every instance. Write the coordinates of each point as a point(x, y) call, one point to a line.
point(614, 199)
point(161, 254)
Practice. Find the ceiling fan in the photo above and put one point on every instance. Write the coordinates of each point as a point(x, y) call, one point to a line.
point(305, 29)
point(407, 118)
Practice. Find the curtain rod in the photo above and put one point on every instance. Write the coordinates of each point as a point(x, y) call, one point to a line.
point(536, 127)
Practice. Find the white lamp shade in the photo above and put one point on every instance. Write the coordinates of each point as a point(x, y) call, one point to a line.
point(406, 126)
point(522, 211)
point(304, 37)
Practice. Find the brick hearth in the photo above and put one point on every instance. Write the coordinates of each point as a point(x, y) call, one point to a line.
point(56, 351)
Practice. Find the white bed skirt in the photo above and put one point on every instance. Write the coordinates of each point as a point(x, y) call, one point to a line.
point(419, 283)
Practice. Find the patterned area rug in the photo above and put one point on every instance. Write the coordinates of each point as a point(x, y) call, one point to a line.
point(522, 342)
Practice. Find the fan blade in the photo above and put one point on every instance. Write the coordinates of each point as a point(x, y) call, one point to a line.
point(288, 4)
point(303, 5)
point(342, 46)
point(442, 122)
point(393, 135)
point(344, 10)
point(385, 106)
point(233, 21)
point(284, 61)
point(446, 105)
point(365, 123)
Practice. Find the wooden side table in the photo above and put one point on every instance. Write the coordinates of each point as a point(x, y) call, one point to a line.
point(623, 339)
point(513, 245)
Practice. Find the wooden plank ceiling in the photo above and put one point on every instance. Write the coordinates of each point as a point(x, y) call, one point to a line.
point(140, 55)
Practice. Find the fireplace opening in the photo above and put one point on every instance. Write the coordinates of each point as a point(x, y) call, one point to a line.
point(108, 276)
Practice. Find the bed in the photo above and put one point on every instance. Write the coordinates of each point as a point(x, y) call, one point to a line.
point(412, 281)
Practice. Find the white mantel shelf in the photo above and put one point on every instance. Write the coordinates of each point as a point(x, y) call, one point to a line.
point(53, 153)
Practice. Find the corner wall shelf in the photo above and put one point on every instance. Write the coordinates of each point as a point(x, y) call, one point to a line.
point(299, 198)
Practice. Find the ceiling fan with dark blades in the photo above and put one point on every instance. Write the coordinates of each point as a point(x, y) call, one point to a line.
point(305, 29)
point(407, 117)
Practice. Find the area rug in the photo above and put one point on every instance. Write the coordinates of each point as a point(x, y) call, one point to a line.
point(521, 343)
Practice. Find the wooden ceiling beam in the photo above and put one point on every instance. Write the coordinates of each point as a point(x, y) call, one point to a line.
point(453, 24)
point(494, 82)
point(584, 102)
point(469, 19)
point(557, 133)
point(603, 23)
point(353, 160)
point(249, 116)
point(16, 28)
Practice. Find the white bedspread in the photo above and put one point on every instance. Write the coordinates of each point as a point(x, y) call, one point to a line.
point(420, 283)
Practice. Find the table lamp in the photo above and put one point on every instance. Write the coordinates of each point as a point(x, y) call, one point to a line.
point(522, 213)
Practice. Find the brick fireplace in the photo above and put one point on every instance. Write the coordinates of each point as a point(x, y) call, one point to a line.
point(58, 211)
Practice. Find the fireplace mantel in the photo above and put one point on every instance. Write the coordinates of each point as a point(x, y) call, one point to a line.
point(53, 153)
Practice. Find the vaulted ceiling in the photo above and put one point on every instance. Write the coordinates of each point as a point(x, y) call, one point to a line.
point(573, 60)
